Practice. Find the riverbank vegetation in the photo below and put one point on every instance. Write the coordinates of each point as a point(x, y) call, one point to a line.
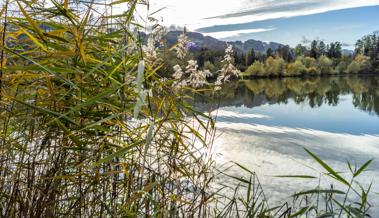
point(320, 59)
point(91, 127)
point(317, 58)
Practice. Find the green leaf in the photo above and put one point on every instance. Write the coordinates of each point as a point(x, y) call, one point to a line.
point(330, 214)
point(31, 21)
point(296, 176)
point(327, 168)
point(42, 67)
point(119, 2)
point(239, 179)
point(318, 191)
point(301, 211)
point(244, 168)
point(118, 153)
point(360, 170)
point(48, 112)
point(34, 40)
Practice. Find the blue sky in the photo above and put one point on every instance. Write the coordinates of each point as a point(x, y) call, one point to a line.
point(281, 21)
point(346, 26)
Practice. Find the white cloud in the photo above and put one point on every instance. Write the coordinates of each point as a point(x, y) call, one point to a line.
point(236, 33)
point(221, 12)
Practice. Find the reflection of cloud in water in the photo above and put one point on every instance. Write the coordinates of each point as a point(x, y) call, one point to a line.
point(225, 113)
point(275, 150)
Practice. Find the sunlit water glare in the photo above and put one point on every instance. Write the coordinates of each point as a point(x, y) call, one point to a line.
point(268, 138)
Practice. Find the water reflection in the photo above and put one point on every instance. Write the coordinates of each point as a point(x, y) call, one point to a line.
point(314, 91)
point(263, 124)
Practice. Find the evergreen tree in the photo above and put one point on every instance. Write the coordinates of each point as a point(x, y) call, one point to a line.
point(300, 50)
point(314, 52)
point(322, 48)
point(269, 52)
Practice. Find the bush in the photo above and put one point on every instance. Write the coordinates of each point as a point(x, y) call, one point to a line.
point(353, 67)
point(325, 65)
point(342, 65)
point(309, 62)
point(275, 66)
point(364, 62)
point(313, 71)
point(257, 69)
point(209, 66)
point(296, 68)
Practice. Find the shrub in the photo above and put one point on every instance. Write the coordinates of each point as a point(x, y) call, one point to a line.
point(313, 71)
point(364, 62)
point(209, 66)
point(275, 66)
point(342, 65)
point(296, 68)
point(325, 64)
point(353, 67)
point(309, 62)
point(257, 69)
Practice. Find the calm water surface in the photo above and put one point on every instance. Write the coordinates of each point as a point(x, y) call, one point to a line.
point(263, 124)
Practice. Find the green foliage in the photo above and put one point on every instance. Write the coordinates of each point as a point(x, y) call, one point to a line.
point(73, 85)
point(300, 50)
point(354, 67)
point(209, 66)
point(325, 64)
point(310, 62)
point(257, 69)
point(361, 63)
point(275, 66)
point(296, 68)
point(364, 62)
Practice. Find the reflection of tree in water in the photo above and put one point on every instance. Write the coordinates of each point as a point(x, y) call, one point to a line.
point(314, 91)
point(366, 102)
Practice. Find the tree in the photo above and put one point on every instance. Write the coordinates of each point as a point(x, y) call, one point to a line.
point(369, 46)
point(325, 64)
point(269, 52)
point(257, 69)
point(343, 64)
point(310, 62)
point(209, 66)
point(251, 57)
point(314, 50)
point(296, 68)
point(321, 48)
point(286, 53)
point(335, 50)
point(201, 59)
point(275, 66)
point(338, 50)
point(300, 50)
point(359, 47)
point(331, 50)
point(353, 67)
point(364, 62)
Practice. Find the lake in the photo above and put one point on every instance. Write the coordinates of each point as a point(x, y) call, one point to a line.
point(263, 124)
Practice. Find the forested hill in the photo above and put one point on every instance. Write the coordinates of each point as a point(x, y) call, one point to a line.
point(201, 41)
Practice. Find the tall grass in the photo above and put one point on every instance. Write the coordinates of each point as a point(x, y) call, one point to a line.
point(70, 146)
point(89, 130)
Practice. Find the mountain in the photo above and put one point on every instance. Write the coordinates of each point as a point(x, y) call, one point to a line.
point(347, 52)
point(258, 46)
point(201, 41)
point(198, 39)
